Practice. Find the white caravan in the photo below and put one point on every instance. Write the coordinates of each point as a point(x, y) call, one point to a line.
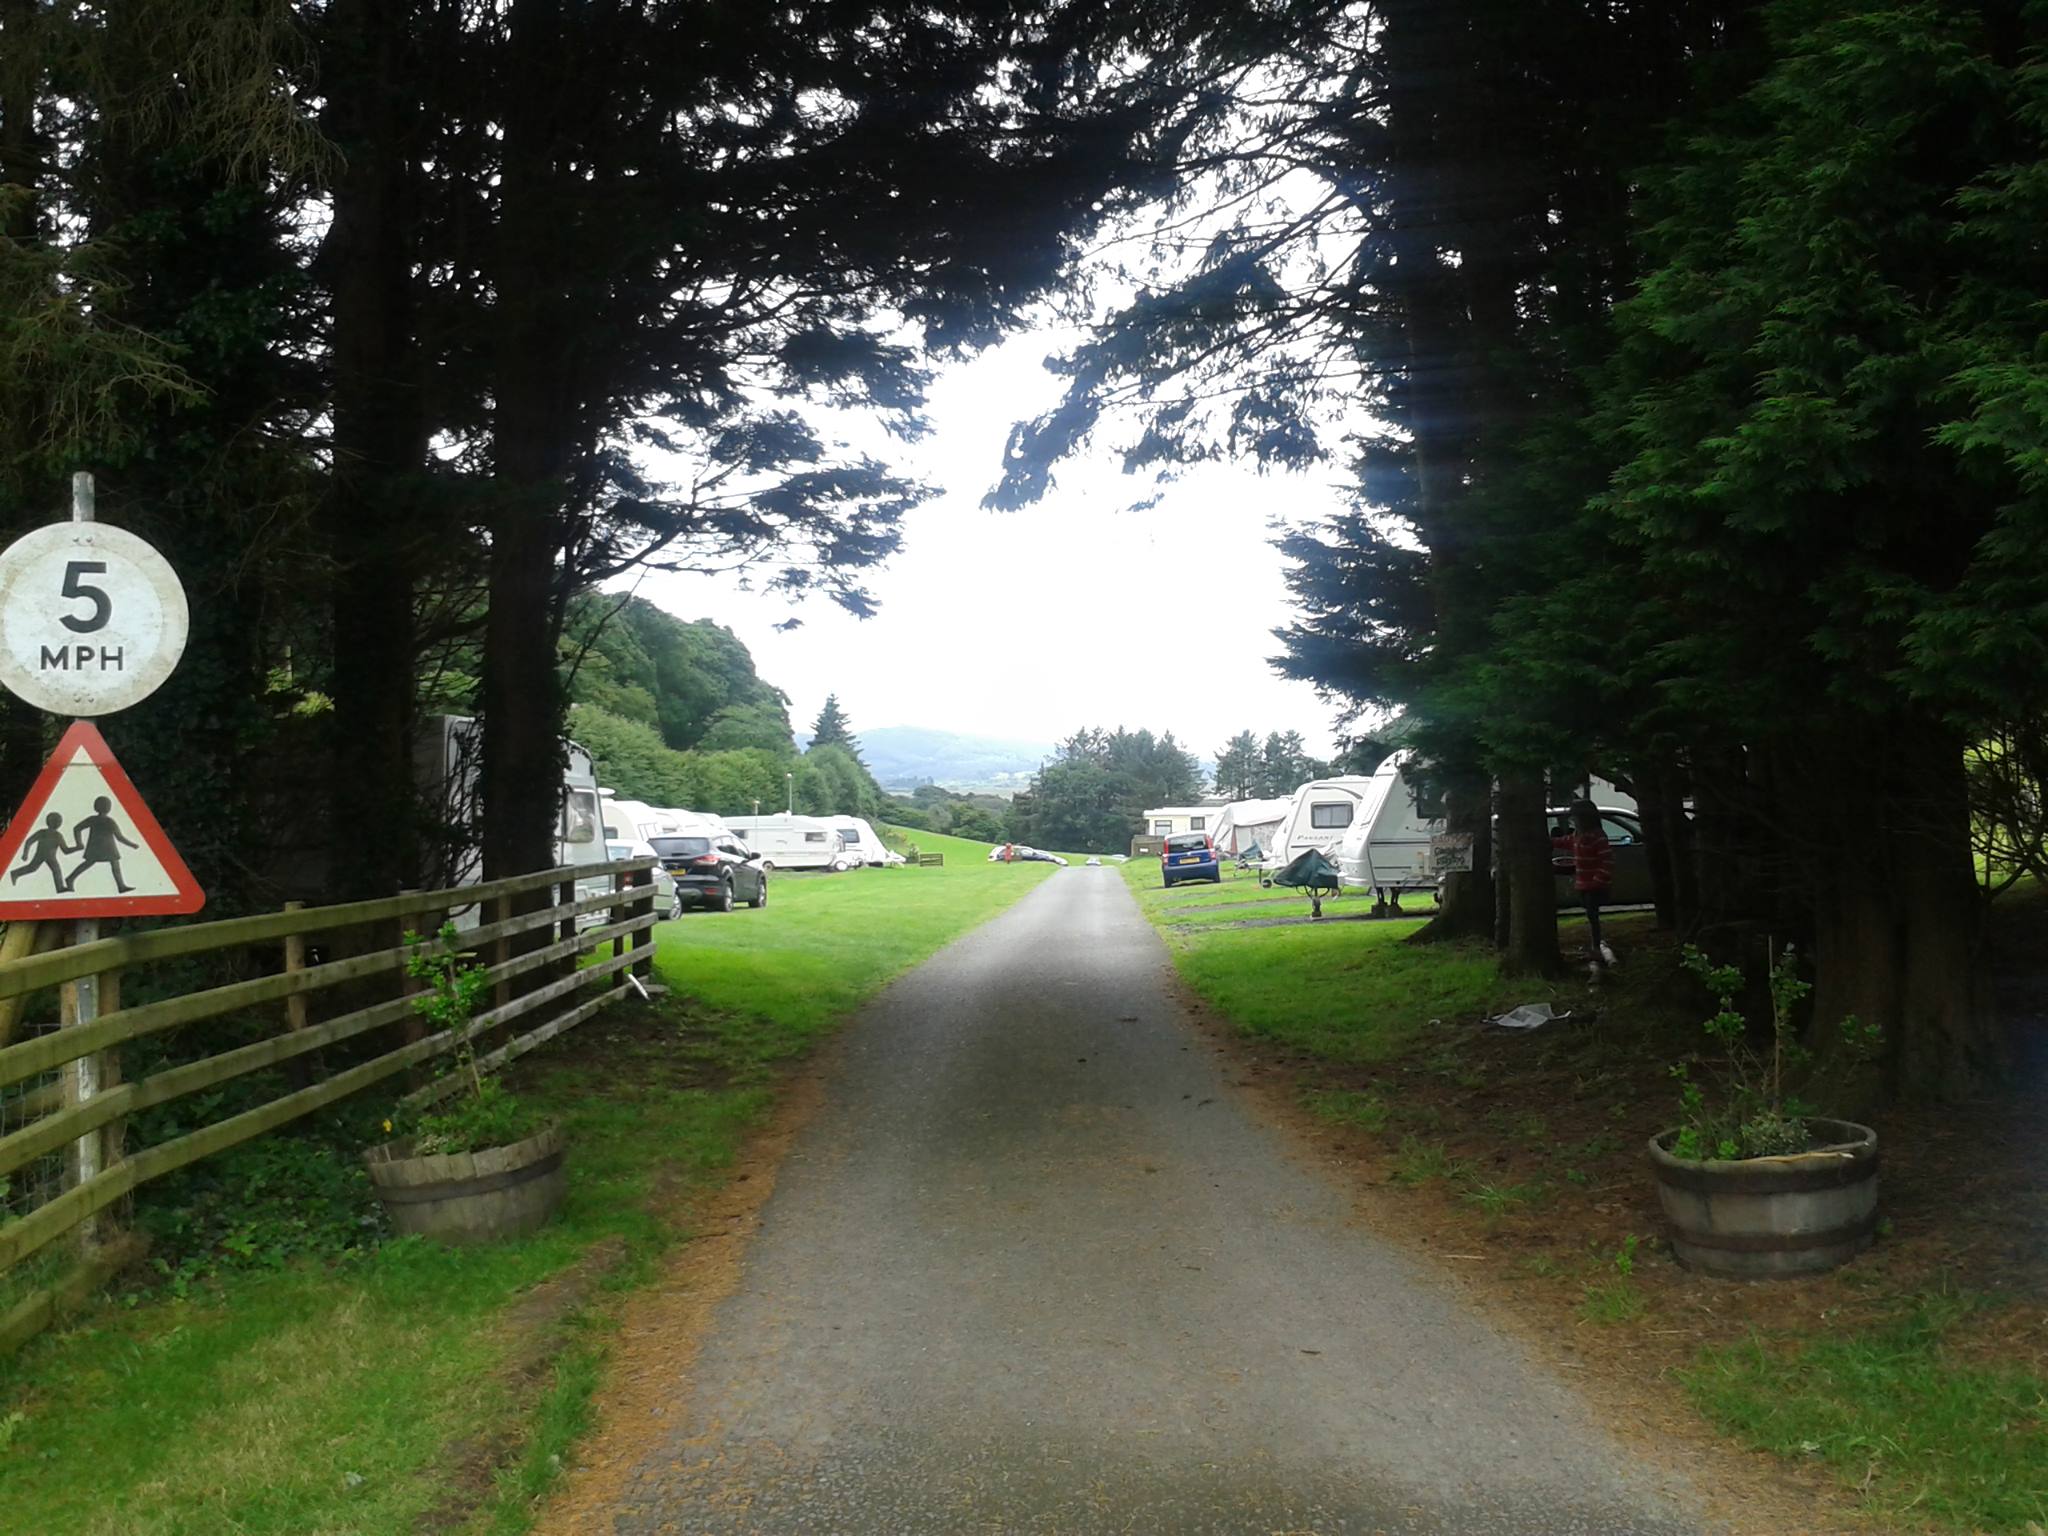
point(636, 821)
point(1386, 849)
point(863, 846)
point(447, 763)
point(1319, 815)
point(1248, 828)
point(791, 842)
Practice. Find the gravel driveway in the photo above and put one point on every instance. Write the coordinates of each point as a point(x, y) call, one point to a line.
point(1035, 1268)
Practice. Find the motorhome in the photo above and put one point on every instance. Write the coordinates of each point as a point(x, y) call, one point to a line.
point(863, 846)
point(1386, 848)
point(1318, 816)
point(792, 842)
point(1246, 829)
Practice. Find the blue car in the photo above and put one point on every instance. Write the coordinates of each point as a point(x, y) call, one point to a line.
point(1189, 856)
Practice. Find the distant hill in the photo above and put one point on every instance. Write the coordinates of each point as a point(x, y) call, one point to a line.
point(903, 756)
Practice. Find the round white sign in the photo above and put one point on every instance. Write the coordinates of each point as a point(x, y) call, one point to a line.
point(92, 618)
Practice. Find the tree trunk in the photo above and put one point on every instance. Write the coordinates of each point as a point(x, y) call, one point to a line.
point(379, 446)
point(533, 440)
point(1522, 839)
point(1896, 915)
point(22, 733)
point(1467, 912)
point(1660, 798)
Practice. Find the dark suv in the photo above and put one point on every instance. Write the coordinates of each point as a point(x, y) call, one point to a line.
point(712, 870)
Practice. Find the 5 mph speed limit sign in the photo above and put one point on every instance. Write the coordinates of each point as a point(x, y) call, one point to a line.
point(92, 618)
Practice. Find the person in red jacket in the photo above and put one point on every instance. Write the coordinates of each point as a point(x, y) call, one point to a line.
point(1592, 859)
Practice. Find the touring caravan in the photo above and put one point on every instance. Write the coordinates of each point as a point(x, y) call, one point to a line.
point(447, 766)
point(792, 842)
point(863, 845)
point(1319, 815)
point(1248, 828)
point(632, 821)
point(1386, 849)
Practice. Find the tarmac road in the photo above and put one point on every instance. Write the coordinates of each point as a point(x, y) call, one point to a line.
point(1035, 1268)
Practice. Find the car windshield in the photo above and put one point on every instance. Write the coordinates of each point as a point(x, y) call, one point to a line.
point(1181, 842)
point(682, 847)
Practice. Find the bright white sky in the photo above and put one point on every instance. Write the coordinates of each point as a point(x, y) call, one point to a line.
point(1029, 625)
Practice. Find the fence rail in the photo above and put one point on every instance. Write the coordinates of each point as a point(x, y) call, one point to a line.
point(80, 1118)
point(930, 860)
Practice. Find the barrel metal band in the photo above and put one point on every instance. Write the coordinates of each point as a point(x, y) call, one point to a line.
point(1781, 1242)
point(456, 1189)
point(1724, 1179)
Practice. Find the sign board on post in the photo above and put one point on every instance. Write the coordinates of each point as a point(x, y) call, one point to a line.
point(92, 618)
point(85, 845)
point(1450, 853)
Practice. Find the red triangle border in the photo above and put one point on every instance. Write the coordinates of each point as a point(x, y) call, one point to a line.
point(188, 897)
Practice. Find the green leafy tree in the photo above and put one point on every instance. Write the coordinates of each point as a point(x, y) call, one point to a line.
point(1830, 482)
point(830, 728)
point(1237, 767)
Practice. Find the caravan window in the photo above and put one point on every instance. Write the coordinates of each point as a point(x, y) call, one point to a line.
point(1330, 814)
point(1195, 823)
point(579, 816)
point(1161, 828)
point(814, 837)
point(851, 834)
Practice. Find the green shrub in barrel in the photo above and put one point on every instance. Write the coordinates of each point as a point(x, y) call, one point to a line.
point(479, 1165)
point(1755, 1182)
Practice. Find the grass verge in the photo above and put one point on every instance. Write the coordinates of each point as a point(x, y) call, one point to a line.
point(402, 1387)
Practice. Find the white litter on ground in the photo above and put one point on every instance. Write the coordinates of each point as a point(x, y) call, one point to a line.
point(1529, 1016)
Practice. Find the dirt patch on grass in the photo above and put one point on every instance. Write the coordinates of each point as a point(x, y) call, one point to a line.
point(1517, 1162)
point(535, 1329)
point(662, 1326)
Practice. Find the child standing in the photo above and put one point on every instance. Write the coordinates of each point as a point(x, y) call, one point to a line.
point(1592, 859)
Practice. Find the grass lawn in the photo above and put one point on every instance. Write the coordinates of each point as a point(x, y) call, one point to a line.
point(1928, 1406)
point(391, 1386)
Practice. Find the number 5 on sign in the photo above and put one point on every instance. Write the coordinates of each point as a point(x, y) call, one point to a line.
point(92, 618)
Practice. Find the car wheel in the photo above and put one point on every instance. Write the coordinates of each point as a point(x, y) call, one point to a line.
point(675, 907)
point(761, 898)
point(725, 902)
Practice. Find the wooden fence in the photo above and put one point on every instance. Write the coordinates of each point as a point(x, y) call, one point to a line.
point(68, 1102)
point(930, 860)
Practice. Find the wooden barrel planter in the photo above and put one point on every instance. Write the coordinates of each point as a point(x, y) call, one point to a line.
point(1762, 1216)
point(471, 1197)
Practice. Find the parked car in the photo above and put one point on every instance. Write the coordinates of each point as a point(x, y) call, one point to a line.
point(1094, 864)
point(1632, 884)
point(1189, 856)
point(712, 869)
point(1020, 853)
point(664, 882)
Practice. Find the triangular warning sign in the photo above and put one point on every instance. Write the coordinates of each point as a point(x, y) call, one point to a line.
point(83, 843)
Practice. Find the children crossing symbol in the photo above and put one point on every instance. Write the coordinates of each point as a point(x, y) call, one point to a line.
point(84, 844)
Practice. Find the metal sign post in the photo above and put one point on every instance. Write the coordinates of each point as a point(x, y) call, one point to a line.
point(92, 621)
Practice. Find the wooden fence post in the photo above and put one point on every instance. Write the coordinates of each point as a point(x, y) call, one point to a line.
point(501, 951)
point(18, 943)
point(615, 913)
point(643, 938)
